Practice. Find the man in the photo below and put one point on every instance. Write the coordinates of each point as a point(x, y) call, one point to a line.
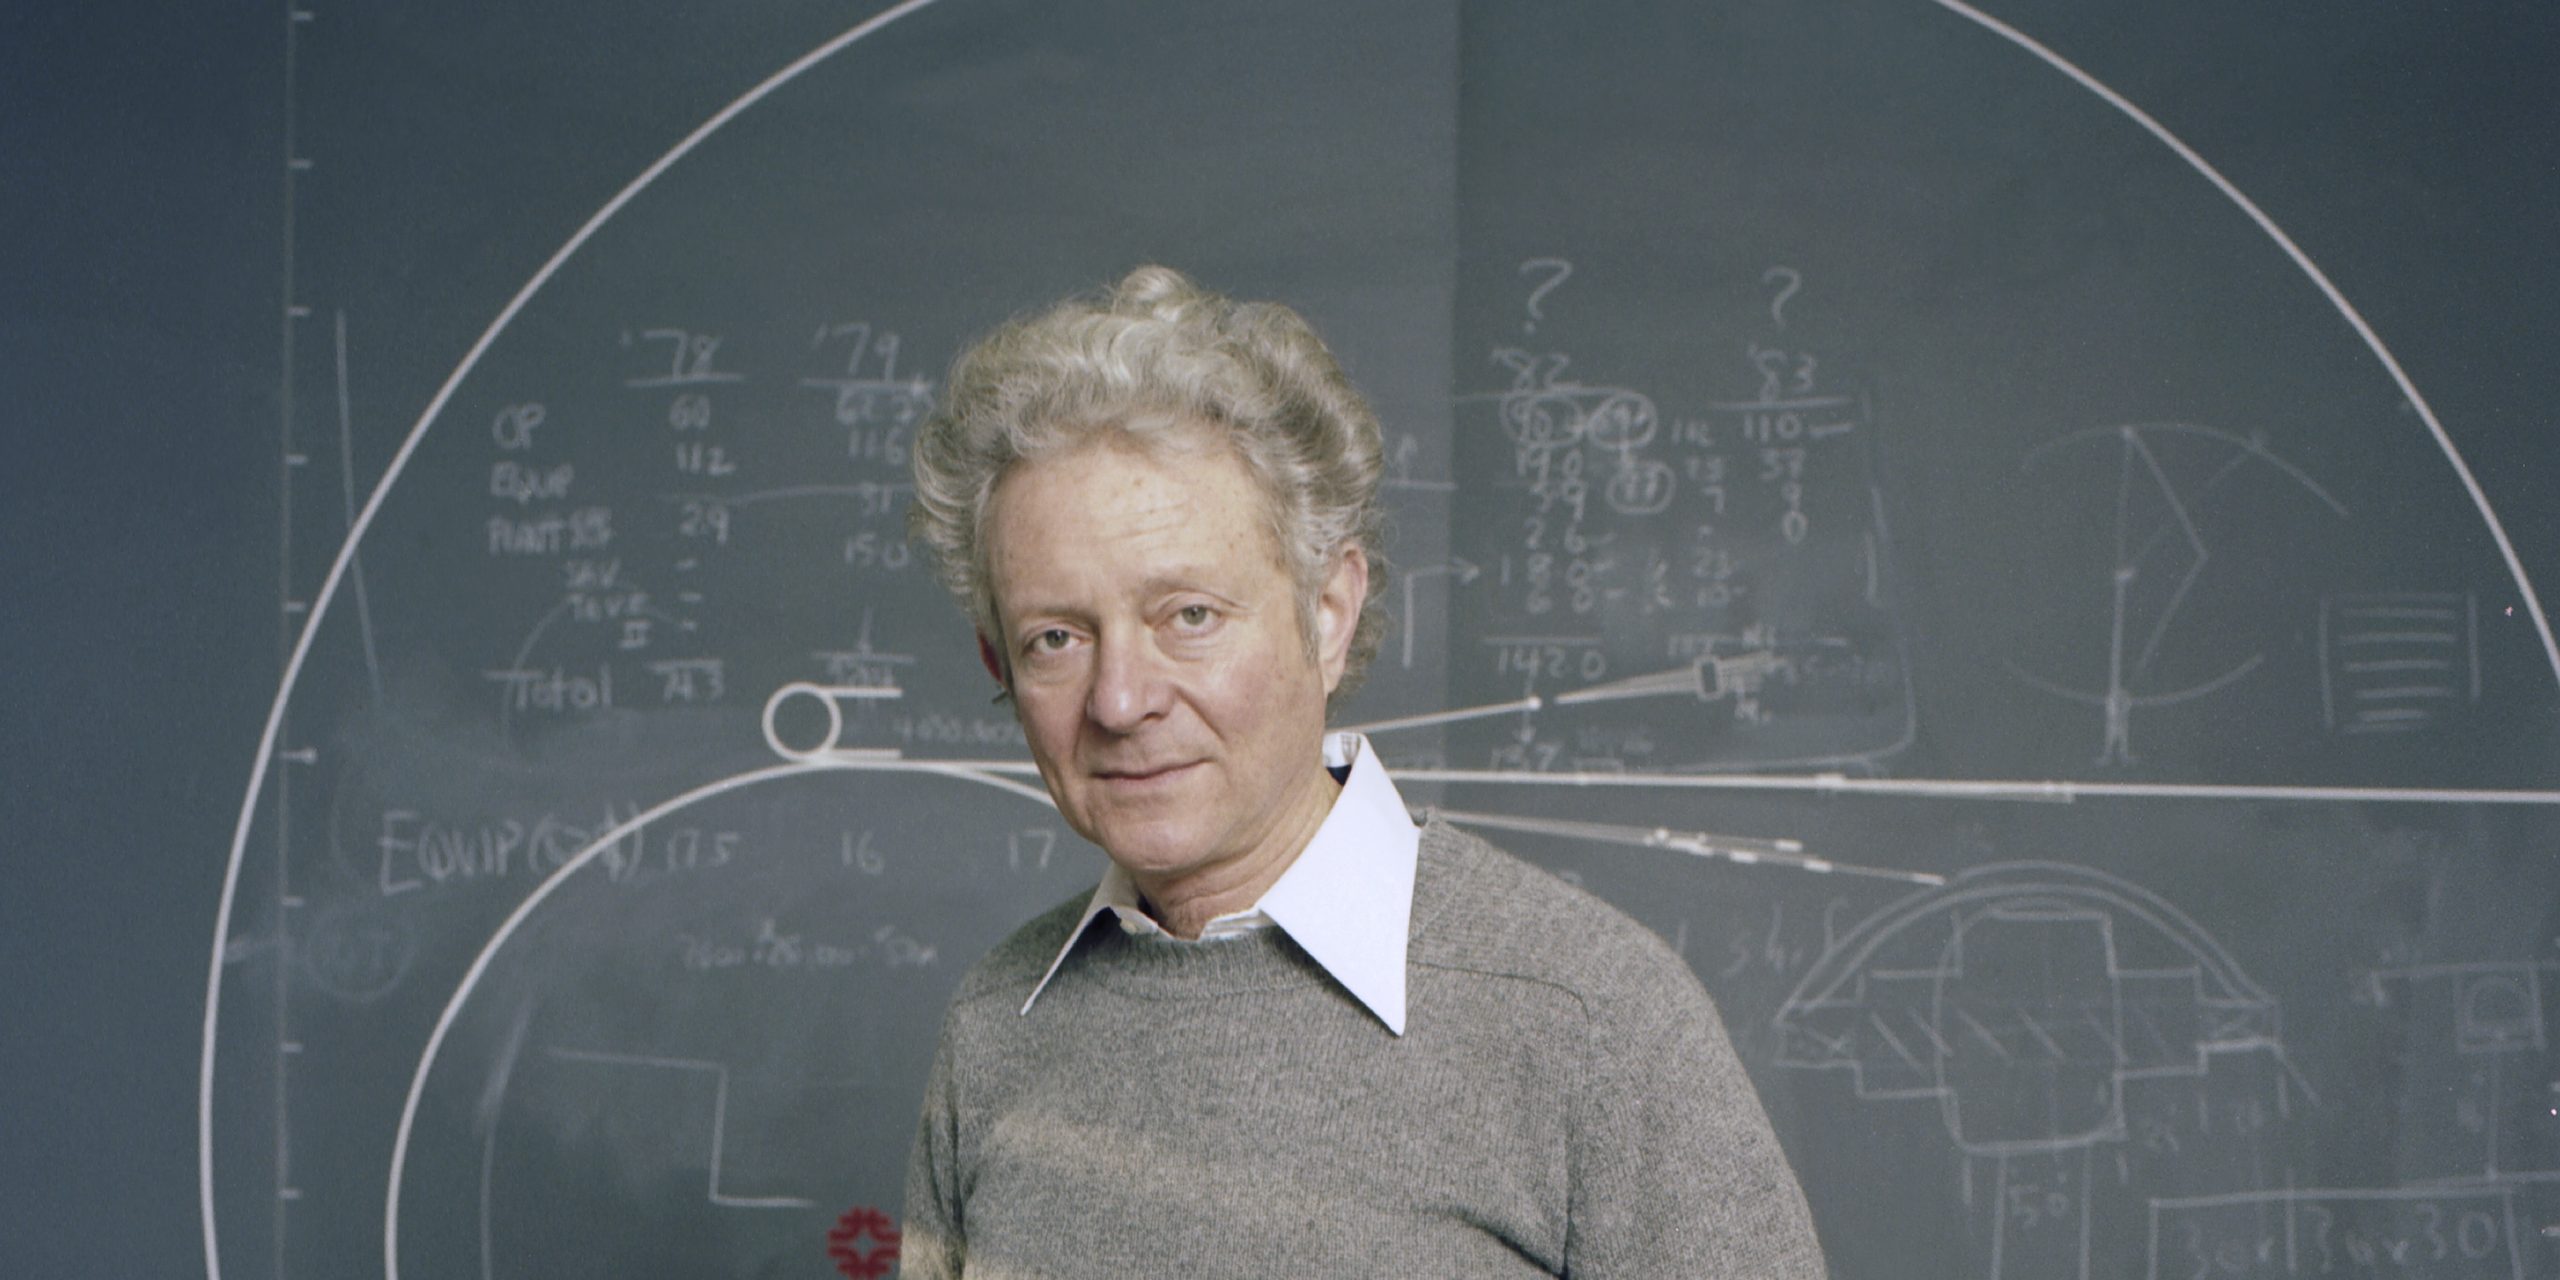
point(1290, 1032)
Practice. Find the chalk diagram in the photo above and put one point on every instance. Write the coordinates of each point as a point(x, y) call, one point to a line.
point(2001, 982)
point(2481, 1048)
point(2480, 1155)
point(2022, 1000)
point(2170, 482)
point(2397, 662)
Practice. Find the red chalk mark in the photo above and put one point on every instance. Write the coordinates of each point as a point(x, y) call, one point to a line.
point(864, 1243)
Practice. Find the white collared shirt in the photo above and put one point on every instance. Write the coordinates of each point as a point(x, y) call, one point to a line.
point(1347, 900)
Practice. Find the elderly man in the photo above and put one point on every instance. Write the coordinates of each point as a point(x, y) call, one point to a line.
point(1290, 1033)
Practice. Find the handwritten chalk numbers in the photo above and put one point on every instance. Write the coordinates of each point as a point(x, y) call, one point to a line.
point(689, 680)
point(1554, 662)
point(867, 354)
point(690, 369)
point(684, 365)
point(649, 856)
point(1706, 479)
point(1784, 374)
point(1029, 848)
point(690, 412)
point(1787, 392)
point(860, 854)
point(2030, 1206)
point(885, 446)
point(704, 519)
point(2419, 1238)
point(874, 550)
point(1763, 426)
point(1641, 487)
point(691, 358)
point(1714, 569)
point(694, 458)
point(1555, 480)
point(877, 408)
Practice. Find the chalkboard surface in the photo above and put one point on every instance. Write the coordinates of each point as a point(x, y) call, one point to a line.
point(1927, 507)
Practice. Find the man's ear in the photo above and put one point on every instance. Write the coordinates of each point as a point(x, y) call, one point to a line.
point(1346, 588)
point(994, 664)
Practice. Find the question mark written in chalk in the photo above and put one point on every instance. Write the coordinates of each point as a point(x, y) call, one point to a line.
point(1794, 281)
point(1561, 268)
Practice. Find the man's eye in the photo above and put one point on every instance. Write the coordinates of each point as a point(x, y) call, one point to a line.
point(1051, 640)
point(1194, 616)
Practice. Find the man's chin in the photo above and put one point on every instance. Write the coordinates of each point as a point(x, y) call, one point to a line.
point(1152, 852)
point(1153, 859)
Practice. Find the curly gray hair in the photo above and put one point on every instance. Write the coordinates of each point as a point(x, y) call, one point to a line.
point(1155, 355)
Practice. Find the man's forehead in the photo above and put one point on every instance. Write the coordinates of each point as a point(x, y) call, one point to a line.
point(1134, 520)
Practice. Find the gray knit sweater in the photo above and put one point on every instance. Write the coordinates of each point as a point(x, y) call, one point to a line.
point(1564, 1102)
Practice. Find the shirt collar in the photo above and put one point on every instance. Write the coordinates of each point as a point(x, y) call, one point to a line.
point(1347, 899)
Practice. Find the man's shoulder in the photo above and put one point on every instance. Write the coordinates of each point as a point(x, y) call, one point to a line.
point(1017, 963)
point(1480, 908)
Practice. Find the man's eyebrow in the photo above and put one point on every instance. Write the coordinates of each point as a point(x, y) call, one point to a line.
point(1184, 578)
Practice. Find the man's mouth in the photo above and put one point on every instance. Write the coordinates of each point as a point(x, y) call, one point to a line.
point(1140, 775)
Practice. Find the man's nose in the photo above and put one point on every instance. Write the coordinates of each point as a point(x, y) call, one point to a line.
point(1130, 683)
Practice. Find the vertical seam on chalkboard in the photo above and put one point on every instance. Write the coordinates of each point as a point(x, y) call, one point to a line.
point(2328, 699)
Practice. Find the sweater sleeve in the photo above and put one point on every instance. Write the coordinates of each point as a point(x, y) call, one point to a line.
point(932, 1241)
point(1675, 1169)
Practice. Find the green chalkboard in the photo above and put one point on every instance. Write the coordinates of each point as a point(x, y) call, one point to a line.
point(2008, 534)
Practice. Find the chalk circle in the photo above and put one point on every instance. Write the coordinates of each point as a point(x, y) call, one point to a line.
point(826, 704)
point(2499, 1011)
point(1626, 420)
point(358, 950)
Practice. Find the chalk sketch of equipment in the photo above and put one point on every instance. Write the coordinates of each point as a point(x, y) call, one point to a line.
point(2161, 552)
point(1736, 669)
point(2020, 997)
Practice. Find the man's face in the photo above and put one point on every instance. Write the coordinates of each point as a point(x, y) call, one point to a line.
point(1157, 658)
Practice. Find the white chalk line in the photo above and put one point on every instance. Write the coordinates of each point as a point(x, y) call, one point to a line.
point(1430, 718)
point(719, 1073)
point(268, 736)
point(2056, 790)
point(2048, 790)
point(1739, 850)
